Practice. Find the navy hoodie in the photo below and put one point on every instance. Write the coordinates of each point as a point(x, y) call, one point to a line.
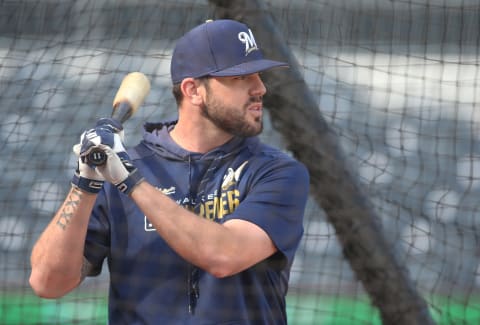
point(242, 179)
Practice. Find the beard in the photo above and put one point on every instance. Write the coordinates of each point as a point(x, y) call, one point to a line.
point(233, 119)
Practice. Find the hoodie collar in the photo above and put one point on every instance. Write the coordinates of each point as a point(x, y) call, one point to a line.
point(157, 137)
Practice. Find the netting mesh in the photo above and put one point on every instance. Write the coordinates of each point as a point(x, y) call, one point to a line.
point(398, 81)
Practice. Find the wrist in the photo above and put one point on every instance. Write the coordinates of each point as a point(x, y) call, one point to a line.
point(92, 186)
point(128, 185)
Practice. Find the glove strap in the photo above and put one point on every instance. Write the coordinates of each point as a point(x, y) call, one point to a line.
point(87, 185)
point(128, 184)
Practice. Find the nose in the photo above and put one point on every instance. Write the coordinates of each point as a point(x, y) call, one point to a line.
point(258, 88)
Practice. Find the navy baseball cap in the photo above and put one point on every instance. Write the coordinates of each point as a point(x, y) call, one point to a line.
point(218, 48)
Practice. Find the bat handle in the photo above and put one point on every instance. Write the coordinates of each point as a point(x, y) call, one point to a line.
point(96, 157)
point(122, 111)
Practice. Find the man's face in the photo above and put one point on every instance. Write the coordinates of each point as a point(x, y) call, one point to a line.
point(234, 104)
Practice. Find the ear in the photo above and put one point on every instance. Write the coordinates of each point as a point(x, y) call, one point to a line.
point(191, 91)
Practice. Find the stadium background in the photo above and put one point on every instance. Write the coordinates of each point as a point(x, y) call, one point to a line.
point(397, 81)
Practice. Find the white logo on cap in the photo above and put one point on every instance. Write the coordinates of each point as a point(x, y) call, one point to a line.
point(248, 40)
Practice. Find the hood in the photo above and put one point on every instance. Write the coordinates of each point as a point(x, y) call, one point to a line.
point(157, 137)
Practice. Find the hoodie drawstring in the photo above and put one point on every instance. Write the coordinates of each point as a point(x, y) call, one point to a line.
point(194, 273)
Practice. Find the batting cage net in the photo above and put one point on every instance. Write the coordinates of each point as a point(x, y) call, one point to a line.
point(382, 107)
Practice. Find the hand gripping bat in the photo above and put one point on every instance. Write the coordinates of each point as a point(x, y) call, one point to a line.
point(130, 95)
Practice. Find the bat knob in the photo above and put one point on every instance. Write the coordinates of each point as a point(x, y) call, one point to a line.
point(96, 157)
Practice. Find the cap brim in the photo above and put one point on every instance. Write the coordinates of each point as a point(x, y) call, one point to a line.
point(249, 68)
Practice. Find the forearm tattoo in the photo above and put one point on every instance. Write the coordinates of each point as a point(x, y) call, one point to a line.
point(69, 208)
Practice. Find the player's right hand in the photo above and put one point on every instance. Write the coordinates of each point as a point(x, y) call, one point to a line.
point(107, 132)
point(119, 170)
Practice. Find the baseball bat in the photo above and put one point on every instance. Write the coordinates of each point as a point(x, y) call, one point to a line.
point(130, 95)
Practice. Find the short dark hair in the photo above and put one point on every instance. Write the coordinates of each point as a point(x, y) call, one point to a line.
point(177, 93)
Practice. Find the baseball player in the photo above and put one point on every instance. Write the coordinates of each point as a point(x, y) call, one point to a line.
point(198, 223)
